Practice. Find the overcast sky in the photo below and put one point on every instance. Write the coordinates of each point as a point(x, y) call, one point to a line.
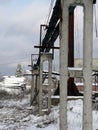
point(19, 32)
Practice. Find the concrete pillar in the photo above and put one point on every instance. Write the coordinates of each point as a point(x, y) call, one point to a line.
point(87, 60)
point(40, 85)
point(63, 65)
point(34, 86)
point(45, 57)
point(32, 90)
point(87, 64)
point(50, 81)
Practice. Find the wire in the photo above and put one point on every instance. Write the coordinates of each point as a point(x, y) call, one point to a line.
point(50, 10)
point(15, 61)
point(48, 17)
point(96, 29)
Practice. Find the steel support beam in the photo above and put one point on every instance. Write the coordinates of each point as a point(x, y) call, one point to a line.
point(71, 48)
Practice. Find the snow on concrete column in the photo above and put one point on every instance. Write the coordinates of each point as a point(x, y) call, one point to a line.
point(87, 64)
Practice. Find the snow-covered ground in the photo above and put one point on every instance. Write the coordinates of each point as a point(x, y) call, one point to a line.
point(16, 114)
point(12, 81)
point(13, 84)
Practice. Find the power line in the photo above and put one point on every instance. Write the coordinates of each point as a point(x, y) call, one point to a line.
point(50, 10)
point(14, 61)
point(48, 17)
point(96, 29)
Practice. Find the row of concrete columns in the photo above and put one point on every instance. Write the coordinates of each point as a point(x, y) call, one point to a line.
point(87, 64)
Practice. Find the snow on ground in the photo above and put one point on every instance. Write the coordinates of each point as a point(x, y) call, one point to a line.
point(12, 80)
point(16, 114)
point(13, 84)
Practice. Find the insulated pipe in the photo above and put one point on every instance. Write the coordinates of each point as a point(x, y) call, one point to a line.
point(52, 24)
point(51, 27)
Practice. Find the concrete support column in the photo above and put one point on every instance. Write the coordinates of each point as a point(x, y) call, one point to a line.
point(63, 65)
point(87, 61)
point(38, 88)
point(50, 81)
point(45, 57)
point(87, 64)
point(34, 86)
point(32, 90)
point(40, 85)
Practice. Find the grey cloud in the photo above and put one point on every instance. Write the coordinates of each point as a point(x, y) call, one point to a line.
point(5, 1)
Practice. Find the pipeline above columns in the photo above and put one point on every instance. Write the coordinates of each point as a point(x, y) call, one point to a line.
point(53, 28)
